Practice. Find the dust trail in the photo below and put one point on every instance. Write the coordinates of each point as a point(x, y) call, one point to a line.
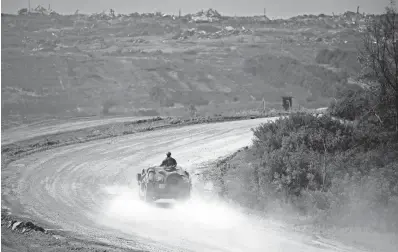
point(199, 224)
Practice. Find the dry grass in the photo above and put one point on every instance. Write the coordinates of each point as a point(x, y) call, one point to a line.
point(69, 66)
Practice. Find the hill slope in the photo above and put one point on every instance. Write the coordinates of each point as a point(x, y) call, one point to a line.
point(80, 66)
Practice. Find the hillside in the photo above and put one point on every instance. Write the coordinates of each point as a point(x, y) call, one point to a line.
point(151, 64)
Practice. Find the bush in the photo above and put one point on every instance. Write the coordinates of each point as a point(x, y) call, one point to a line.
point(23, 11)
point(317, 166)
point(293, 150)
point(366, 106)
point(340, 59)
point(191, 110)
point(107, 105)
point(351, 106)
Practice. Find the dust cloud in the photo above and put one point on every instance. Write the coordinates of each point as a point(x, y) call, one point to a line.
point(201, 224)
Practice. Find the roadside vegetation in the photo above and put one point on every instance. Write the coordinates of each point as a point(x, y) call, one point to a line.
point(334, 173)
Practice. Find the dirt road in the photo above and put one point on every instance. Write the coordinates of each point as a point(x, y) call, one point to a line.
point(90, 189)
point(24, 132)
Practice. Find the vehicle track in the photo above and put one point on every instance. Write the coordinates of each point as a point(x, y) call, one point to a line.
point(90, 189)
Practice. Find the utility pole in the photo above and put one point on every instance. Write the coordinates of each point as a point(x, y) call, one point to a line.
point(263, 105)
point(264, 12)
point(29, 6)
point(179, 13)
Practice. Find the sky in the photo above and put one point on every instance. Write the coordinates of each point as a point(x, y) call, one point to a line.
point(274, 8)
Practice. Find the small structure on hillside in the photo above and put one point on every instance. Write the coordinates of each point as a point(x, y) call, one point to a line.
point(287, 102)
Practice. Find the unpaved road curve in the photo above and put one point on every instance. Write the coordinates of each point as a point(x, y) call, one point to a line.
point(90, 188)
point(25, 132)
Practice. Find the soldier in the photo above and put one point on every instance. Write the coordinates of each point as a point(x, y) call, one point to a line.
point(169, 161)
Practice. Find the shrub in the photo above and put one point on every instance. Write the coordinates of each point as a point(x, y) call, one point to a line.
point(366, 106)
point(351, 106)
point(293, 149)
point(22, 11)
point(107, 105)
point(191, 110)
point(339, 58)
point(319, 167)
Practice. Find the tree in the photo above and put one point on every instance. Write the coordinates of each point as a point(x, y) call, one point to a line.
point(379, 59)
point(23, 11)
point(192, 110)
